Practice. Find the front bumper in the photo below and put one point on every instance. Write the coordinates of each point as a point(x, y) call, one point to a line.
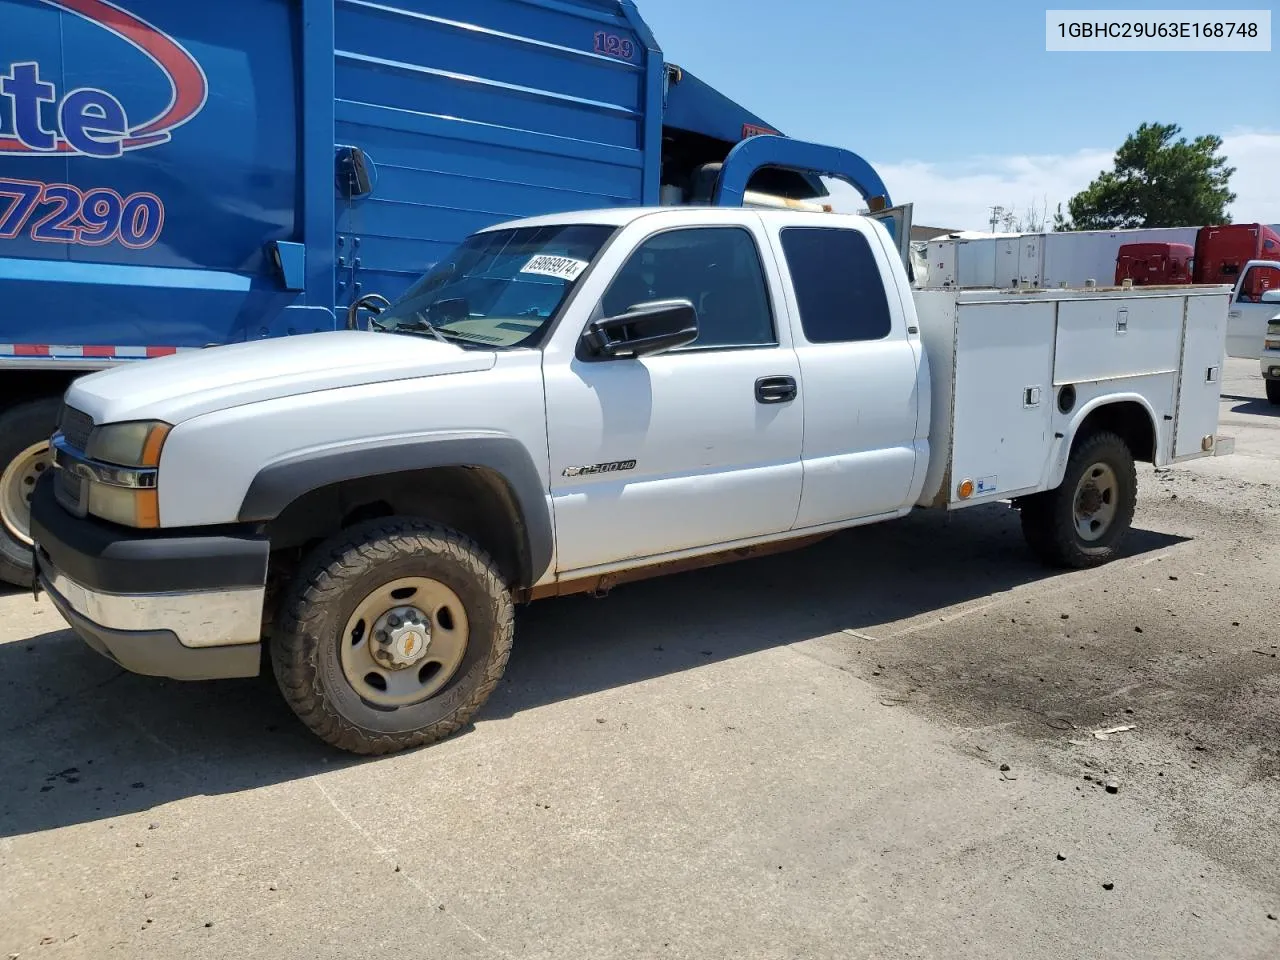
point(181, 604)
point(1270, 364)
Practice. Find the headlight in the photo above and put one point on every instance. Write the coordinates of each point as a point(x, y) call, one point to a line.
point(135, 444)
point(122, 458)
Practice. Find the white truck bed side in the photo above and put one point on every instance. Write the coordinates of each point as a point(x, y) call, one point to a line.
point(998, 362)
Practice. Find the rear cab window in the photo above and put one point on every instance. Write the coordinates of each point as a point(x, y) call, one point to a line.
point(840, 291)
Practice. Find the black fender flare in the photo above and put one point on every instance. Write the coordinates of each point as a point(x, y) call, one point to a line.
point(279, 484)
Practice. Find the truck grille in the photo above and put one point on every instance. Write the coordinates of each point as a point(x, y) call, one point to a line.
point(75, 427)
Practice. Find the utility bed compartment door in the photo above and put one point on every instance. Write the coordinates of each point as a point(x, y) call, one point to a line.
point(1200, 385)
point(1108, 338)
point(1003, 397)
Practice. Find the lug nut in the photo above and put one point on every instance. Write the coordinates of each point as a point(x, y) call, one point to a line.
point(383, 637)
point(393, 620)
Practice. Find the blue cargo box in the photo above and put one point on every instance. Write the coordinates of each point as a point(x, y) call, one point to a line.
point(178, 175)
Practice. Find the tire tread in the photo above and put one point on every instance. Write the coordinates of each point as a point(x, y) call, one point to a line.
point(320, 585)
point(1047, 517)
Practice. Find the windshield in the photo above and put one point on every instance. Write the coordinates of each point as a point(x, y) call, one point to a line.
point(498, 289)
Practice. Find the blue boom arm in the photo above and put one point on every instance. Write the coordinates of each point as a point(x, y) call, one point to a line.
point(756, 153)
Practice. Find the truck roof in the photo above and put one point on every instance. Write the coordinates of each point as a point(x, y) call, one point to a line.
point(621, 216)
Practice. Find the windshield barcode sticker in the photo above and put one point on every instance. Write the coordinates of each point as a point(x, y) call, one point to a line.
point(566, 268)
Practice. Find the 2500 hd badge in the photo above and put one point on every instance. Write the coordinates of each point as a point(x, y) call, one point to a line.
point(613, 467)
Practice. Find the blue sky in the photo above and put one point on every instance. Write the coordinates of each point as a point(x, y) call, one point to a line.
point(955, 90)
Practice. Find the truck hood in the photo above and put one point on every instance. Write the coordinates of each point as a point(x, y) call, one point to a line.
point(189, 384)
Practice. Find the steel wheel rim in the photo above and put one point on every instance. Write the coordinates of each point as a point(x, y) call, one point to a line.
point(390, 660)
point(1097, 501)
point(16, 486)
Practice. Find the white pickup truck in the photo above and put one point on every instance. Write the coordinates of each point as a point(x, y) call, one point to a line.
point(570, 402)
point(1253, 306)
point(1253, 326)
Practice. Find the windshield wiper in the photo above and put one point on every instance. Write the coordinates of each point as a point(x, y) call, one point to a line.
point(416, 326)
point(445, 336)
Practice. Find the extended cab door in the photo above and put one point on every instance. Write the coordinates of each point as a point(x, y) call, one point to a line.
point(1255, 301)
point(863, 437)
point(693, 448)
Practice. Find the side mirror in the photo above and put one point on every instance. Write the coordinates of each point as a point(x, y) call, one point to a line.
point(644, 330)
point(1270, 296)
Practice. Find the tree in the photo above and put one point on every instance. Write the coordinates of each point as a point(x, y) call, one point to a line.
point(1157, 182)
point(1033, 221)
point(1008, 218)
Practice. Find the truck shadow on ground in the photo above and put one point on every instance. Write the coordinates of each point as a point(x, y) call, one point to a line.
point(1257, 406)
point(81, 740)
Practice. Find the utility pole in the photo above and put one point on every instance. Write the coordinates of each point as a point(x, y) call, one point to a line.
point(996, 214)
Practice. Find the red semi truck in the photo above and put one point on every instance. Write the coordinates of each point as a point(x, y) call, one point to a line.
point(1150, 264)
point(1220, 254)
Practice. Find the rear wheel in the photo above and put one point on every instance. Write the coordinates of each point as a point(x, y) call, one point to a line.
point(1273, 392)
point(1083, 522)
point(25, 454)
point(393, 635)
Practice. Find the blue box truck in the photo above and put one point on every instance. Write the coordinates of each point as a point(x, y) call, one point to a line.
point(175, 176)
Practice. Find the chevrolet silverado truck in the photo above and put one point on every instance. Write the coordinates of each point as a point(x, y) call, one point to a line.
point(566, 403)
